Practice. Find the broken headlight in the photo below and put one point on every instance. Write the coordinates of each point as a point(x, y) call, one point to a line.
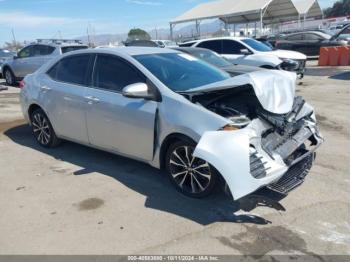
point(237, 122)
point(237, 119)
point(289, 64)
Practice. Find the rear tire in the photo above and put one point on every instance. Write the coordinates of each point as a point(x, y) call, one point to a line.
point(42, 129)
point(191, 176)
point(9, 77)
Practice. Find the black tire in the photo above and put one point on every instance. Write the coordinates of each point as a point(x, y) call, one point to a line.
point(191, 176)
point(9, 77)
point(42, 129)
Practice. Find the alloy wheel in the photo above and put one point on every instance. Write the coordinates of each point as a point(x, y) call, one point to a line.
point(41, 129)
point(191, 174)
point(8, 77)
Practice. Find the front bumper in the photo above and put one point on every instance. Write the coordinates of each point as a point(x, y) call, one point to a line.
point(294, 177)
point(281, 167)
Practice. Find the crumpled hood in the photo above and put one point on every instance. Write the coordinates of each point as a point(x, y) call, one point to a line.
point(274, 89)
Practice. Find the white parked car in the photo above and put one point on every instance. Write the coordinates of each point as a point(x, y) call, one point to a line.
point(248, 51)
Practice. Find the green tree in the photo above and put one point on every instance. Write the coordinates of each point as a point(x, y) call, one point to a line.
point(340, 8)
point(138, 34)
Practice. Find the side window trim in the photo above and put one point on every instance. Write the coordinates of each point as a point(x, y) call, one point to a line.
point(219, 42)
point(92, 85)
point(87, 77)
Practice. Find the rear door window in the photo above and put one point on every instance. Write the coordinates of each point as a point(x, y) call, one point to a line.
point(214, 45)
point(46, 49)
point(71, 69)
point(232, 47)
point(113, 73)
point(42, 50)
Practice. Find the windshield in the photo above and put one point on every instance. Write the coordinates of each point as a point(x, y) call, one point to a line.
point(258, 46)
point(210, 57)
point(181, 72)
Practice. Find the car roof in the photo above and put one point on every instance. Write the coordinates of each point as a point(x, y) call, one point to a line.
point(312, 32)
point(56, 45)
point(237, 38)
point(189, 49)
point(306, 32)
point(131, 51)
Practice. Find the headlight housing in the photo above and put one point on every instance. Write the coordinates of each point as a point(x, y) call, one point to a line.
point(289, 64)
point(238, 122)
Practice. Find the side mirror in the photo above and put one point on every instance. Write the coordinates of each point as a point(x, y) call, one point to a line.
point(15, 57)
point(138, 90)
point(245, 52)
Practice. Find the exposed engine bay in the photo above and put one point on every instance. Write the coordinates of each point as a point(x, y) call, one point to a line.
point(238, 104)
point(241, 106)
point(280, 147)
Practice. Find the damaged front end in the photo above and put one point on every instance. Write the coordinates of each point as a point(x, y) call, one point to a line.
point(270, 145)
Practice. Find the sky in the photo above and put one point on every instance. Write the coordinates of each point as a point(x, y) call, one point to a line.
point(31, 19)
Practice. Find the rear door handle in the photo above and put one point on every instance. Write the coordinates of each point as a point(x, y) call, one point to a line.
point(92, 99)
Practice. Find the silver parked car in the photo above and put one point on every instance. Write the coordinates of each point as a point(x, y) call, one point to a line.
point(4, 56)
point(34, 55)
point(177, 112)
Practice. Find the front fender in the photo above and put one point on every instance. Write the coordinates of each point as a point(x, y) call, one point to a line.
point(229, 153)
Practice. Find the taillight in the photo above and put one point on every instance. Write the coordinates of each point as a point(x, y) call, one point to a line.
point(22, 84)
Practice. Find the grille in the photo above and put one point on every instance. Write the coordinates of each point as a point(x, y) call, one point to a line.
point(294, 177)
point(257, 165)
point(287, 144)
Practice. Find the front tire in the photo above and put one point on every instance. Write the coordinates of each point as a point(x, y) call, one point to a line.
point(9, 77)
point(42, 129)
point(191, 176)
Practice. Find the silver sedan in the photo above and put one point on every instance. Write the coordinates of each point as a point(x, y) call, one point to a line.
point(177, 112)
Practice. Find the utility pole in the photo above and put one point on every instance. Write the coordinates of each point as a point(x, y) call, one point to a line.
point(13, 35)
point(88, 36)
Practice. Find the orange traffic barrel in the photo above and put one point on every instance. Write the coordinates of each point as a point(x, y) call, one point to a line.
point(344, 56)
point(334, 56)
point(323, 60)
